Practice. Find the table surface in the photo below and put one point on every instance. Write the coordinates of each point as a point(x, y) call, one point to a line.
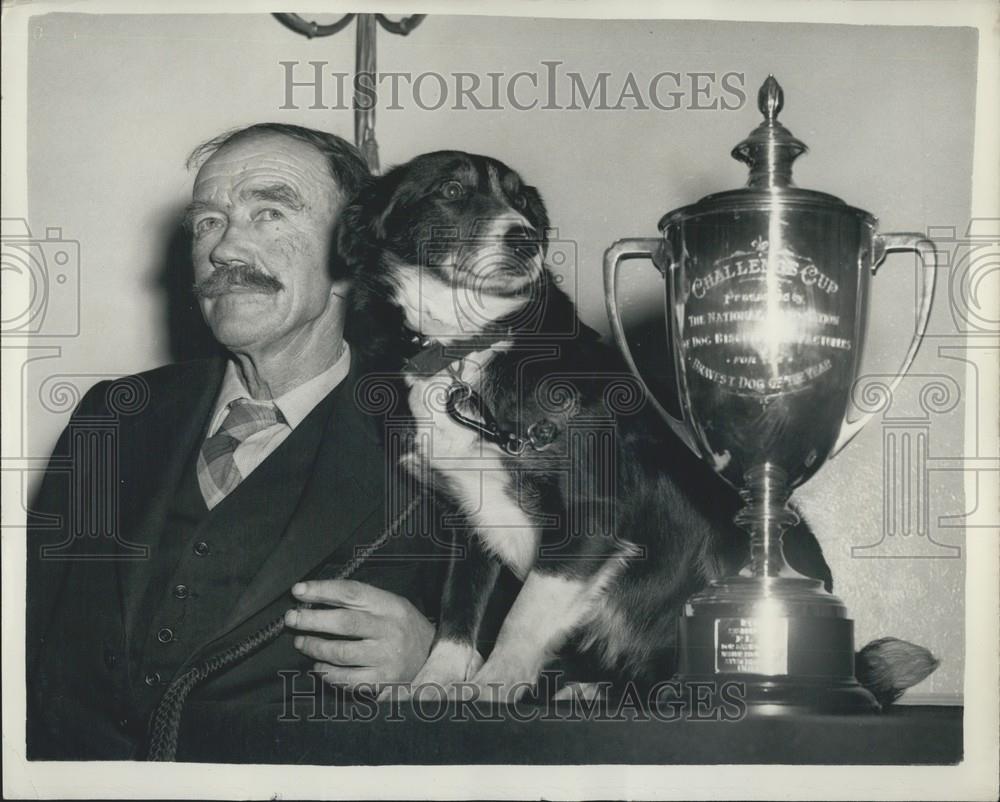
point(442, 734)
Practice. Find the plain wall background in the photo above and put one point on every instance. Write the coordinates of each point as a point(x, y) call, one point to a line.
point(117, 102)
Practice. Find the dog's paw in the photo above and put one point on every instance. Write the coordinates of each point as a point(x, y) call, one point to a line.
point(579, 691)
point(504, 681)
point(449, 662)
point(444, 674)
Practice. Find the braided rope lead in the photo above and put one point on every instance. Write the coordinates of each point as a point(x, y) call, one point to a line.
point(166, 720)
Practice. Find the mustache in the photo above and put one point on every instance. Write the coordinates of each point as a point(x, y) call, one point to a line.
point(226, 277)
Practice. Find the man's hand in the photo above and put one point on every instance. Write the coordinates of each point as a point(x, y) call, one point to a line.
point(390, 638)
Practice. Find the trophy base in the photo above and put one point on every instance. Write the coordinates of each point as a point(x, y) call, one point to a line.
point(781, 644)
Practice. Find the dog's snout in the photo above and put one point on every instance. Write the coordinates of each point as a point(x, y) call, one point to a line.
point(518, 236)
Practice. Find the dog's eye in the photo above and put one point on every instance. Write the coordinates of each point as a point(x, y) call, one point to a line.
point(520, 202)
point(452, 190)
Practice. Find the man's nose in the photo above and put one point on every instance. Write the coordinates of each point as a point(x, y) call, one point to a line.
point(231, 249)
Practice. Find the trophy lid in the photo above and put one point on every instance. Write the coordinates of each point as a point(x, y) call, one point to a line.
point(768, 151)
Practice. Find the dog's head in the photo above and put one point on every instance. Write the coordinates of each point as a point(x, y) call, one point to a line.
point(446, 235)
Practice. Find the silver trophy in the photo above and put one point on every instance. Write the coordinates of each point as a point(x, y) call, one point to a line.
point(767, 301)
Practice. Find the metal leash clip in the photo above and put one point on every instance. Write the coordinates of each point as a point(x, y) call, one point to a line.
point(462, 393)
point(541, 434)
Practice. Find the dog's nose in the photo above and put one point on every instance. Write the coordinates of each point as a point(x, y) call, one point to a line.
point(521, 237)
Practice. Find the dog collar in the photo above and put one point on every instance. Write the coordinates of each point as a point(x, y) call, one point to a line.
point(434, 356)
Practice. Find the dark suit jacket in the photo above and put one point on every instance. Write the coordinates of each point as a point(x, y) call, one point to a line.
point(101, 506)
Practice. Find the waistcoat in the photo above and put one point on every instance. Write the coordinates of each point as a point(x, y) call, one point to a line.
point(207, 558)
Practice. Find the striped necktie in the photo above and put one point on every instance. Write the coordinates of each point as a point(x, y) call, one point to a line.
point(218, 475)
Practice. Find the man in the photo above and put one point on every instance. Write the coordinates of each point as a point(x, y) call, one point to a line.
point(235, 478)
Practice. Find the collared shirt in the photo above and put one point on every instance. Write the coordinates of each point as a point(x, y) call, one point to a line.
point(294, 405)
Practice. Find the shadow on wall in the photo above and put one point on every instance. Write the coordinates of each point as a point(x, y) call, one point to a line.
point(188, 336)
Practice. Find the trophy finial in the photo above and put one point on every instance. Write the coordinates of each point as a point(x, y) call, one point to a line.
point(770, 149)
point(770, 99)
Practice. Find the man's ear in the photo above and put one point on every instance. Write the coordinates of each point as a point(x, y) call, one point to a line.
point(342, 288)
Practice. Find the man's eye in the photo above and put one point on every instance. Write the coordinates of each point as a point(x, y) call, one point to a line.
point(205, 225)
point(268, 215)
point(452, 190)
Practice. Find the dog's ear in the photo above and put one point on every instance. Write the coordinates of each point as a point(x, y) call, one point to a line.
point(381, 200)
point(361, 226)
point(351, 245)
point(537, 214)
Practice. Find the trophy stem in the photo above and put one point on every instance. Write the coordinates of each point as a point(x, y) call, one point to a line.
point(765, 516)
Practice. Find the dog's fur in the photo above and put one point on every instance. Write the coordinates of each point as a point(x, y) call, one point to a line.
point(612, 525)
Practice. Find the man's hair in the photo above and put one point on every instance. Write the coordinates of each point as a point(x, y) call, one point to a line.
point(346, 165)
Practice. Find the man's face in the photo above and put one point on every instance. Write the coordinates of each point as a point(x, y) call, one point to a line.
point(261, 218)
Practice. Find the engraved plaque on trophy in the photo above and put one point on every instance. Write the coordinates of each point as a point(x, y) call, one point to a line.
point(766, 293)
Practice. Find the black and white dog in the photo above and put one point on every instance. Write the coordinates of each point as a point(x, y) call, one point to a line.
point(538, 435)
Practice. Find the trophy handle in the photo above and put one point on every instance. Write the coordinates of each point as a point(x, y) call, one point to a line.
point(924, 248)
point(627, 249)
